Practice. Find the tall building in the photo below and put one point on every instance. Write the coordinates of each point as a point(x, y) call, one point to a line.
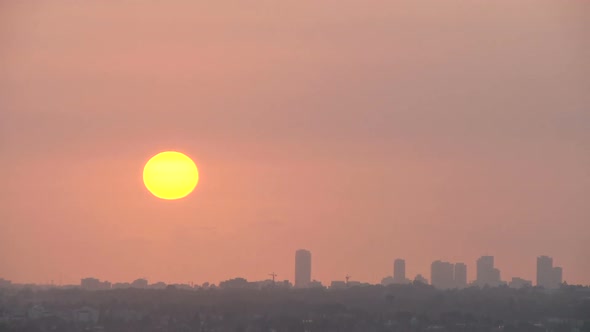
point(484, 264)
point(302, 268)
point(460, 275)
point(548, 276)
point(399, 271)
point(487, 274)
point(544, 271)
point(442, 275)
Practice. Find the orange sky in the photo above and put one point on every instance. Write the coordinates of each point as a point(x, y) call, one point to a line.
point(363, 131)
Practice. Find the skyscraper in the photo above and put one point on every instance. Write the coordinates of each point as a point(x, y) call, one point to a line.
point(460, 275)
point(548, 276)
point(399, 271)
point(544, 271)
point(442, 275)
point(487, 274)
point(302, 268)
point(485, 264)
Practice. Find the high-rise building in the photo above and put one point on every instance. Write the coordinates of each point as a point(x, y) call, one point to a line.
point(399, 271)
point(487, 274)
point(485, 264)
point(302, 268)
point(548, 276)
point(442, 275)
point(460, 275)
point(544, 271)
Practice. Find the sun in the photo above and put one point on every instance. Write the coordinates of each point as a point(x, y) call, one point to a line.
point(170, 175)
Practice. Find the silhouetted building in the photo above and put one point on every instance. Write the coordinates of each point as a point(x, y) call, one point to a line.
point(94, 284)
point(284, 284)
point(460, 275)
point(544, 271)
point(315, 284)
point(236, 283)
point(442, 275)
point(399, 271)
point(302, 268)
point(485, 265)
point(548, 276)
point(519, 283)
point(353, 283)
point(387, 281)
point(139, 283)
point(487, 274)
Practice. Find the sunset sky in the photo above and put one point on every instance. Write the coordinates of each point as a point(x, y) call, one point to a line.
point(363, 131)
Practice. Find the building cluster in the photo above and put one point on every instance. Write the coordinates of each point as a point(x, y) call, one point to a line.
point(487, 274)
point(94, 284)
point(448, 275)
point(141, 283)
point(241, 283)
point(548, 276)
point(443, 275)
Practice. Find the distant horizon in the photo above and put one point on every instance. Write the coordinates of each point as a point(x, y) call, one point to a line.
point(427, 275)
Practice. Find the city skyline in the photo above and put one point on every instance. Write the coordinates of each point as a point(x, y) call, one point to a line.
point(443, 275)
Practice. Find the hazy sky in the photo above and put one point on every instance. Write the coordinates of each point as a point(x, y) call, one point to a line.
point(363, 131)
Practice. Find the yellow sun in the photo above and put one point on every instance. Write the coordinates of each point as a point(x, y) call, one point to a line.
point(170, 175)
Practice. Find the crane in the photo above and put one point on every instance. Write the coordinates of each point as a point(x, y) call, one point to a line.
point(273, 275)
